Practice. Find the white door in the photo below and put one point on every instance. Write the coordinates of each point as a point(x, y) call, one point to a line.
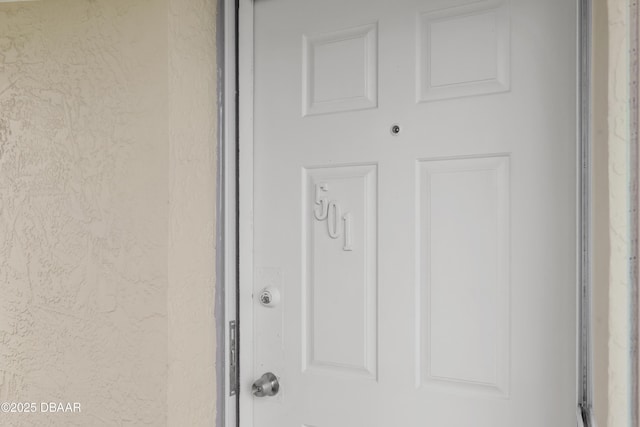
point(414, 206)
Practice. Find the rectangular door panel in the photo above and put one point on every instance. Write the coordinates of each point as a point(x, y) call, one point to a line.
point(463, 264)
point(340, 256)
point(340, 70)
point(464, 51)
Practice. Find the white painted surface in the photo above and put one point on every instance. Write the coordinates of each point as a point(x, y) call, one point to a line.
point(489, 180)
point(339, 302)
point(464, 213)
point(340, 70)
point(479, 33)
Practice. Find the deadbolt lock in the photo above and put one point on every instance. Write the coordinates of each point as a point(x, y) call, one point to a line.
point(269, 297)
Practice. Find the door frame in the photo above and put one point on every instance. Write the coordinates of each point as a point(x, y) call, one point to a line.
point(235, 189)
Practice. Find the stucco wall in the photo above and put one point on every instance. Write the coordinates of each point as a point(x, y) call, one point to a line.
point(192, 175)
point(600, 211)
point(83, 210)
point(620, 379)
point(107, 125)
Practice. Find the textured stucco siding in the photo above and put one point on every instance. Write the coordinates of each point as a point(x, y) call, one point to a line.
point(601, 211)
point(107, 210)
point(619, 204)
point(84, 191)
point(192, 174)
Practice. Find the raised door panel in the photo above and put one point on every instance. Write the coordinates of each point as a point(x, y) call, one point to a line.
point(340, 70)
point(464, 51)
point(340, 273)
point(463, 259)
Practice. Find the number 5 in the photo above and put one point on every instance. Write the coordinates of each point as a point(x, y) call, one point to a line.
point(321, 209)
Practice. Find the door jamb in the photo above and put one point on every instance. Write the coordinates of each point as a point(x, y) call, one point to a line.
point(227, 221)
point(237, 154)
point(585, 211)
point(235, 149)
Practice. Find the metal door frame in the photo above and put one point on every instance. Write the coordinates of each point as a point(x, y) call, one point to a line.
point(235, 197)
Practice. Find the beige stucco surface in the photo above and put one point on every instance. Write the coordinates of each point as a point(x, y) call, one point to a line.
point(107, 207)
point(619, 304)
point(192, 192)
point(600, 210)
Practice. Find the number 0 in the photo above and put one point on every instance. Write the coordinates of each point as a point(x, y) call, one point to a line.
point(333, 220)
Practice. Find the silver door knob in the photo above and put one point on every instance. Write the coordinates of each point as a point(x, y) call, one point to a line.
point(266, 385)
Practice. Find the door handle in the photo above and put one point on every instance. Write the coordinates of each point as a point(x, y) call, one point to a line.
point(266, 385)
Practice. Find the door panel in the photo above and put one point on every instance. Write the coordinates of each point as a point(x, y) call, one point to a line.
point(463, 280)
point(414, 206)
point(464, 51)
point(340, 70)
point(340, 284)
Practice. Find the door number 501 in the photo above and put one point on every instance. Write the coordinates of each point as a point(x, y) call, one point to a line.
point(330, 211)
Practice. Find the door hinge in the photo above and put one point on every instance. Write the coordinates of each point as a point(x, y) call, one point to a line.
point(233, 358)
